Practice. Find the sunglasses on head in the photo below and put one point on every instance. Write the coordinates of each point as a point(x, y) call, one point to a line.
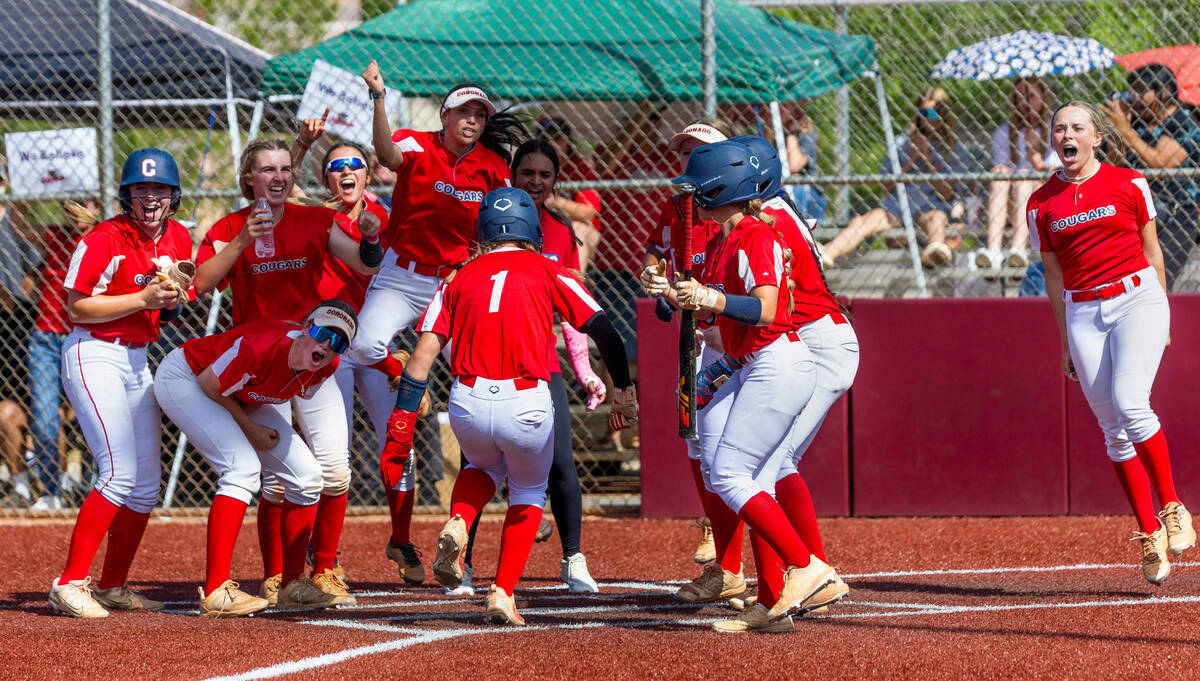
point(337, 340)
point(931, 114)
point(349, 162)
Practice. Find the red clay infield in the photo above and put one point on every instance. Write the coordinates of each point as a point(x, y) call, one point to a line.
point(950, 598)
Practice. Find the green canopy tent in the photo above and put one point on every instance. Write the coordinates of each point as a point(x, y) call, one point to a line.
point(625, 50)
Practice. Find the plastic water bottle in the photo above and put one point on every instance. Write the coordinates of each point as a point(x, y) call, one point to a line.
point(264, 246)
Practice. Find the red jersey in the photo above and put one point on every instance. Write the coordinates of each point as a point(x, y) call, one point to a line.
point(705, 235)
point(280, 286)
point(437, 196)
point(340, 280)
point(811, 299)
point(499, 310)
point(749, 257)
point(574, 169)
point(52, 306)
point(1094, 227)
point(251, 362)
point(630, 214)
point(117, 258)
point(558, 244)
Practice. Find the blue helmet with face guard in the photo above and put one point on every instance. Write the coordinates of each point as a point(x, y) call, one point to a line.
point(149, 165)
point(722, 173)
point(509, 214)
point(770, 168)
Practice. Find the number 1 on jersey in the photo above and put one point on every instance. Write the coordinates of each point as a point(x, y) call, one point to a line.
point(497, 287)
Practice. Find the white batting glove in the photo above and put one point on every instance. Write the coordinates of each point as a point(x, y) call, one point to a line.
point(654, 280)
point(696, 296)
point(624, 410)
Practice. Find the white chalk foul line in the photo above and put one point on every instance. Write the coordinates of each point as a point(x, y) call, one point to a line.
point(951, 609)
point(1002, 570)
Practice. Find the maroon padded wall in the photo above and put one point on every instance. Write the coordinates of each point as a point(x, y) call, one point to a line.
point(1093, 485)
point(958, 409)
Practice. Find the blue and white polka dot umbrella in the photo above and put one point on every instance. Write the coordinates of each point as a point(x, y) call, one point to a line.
point(1023, 54)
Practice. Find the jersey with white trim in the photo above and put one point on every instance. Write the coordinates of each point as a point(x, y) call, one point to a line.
point(811, 299)
point(558, 244)
point(705, 235)
point(251, 362)
point(749, 257)
point(1094, 227)
point(437, 196)
point(279, 286)
point(117, 258)
point(499, 310)
point(340, 280)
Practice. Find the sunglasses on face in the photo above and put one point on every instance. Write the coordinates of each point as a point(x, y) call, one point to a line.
point(931, 114)
point(348, 163)
point(337, 341)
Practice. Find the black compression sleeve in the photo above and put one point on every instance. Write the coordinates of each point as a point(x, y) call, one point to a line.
point(370, 252)
point(612, 348)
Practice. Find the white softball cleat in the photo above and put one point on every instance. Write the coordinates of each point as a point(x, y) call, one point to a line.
point(754, 619)
point(75, 599)
point(502, 608)
point(574, 571)
point(1177, 520)
point(799, 584)
point(1155, 565)
point(706, 550)
point(228, 600)
point(124, 598)
point(447, 565)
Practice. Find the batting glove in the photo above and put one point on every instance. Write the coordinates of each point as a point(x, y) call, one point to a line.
point(712, 378)
point(624, 409)
point(654, 279)
point(696, 296)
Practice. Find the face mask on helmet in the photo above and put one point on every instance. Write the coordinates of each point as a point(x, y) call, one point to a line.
point(149, 166)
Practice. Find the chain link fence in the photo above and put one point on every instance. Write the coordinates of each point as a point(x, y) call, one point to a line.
point(837, 84)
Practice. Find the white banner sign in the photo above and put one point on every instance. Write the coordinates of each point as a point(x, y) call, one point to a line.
point(50, 161)
point(350, 107)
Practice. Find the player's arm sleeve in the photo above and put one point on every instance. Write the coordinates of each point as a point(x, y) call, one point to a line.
point(216, 239)
point(93, 264)
point(611, 347)
point(660, 237)
point(234, 368)
point(1039, 235)
point(760, 261)
point(437, 316)
point(1143, 201)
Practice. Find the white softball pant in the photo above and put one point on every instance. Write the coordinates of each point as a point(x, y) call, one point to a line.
point(212, 430)
point(762, 401)
point(321, 419)
point(1116, 345)
point(372, 386)
point(112, 392)
point(706, 356)
point(506, 433)
point(835, 351)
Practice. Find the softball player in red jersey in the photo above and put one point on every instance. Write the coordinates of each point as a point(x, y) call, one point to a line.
point(499, 311)
point(231, 395)
point(1094, 224)
point(116, 301)
point(440, 179)
point(273, 265)
point(722, 548)
point(745, 278)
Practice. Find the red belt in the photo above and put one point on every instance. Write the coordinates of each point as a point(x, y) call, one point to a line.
point(426, 270)
point(1107, 291)
point(518, 383)
point(119, 341)
point(838, 318)
point(793, 336)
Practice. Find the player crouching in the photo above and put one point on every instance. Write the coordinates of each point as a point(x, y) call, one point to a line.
point(499, 310)
point(230, 394)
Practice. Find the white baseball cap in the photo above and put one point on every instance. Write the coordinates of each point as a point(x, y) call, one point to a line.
point(334, 316)
point(466, 94)
point(700, 131)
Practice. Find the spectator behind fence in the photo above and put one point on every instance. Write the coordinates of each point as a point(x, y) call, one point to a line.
point(19, 262)
point(1018, 145)
point(1159, 133)
point(929, 145)
point(45, 345)
point(801, 139)
point(583, 206)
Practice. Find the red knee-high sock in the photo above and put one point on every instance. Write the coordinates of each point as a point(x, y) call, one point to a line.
point(769, 567)
point(797, 503)
point(1157, 462)
point(698, 478)
point(401, 506)
point(727, 533)
point(124, 536)
point(327, 531)
point(516, 541)
point(1136, 484)
point(224, 522)
point(472, 490)
point(297, 530)
point(95, 517)
point(763, 515)
point(270, 539)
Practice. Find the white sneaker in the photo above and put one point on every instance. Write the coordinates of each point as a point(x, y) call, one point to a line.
point(47, 503)
point(986, 259)
point(465, 588)
point(574, 572)
point(75, 599)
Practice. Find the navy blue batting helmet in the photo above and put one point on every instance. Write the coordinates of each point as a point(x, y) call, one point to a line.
point(509, 214)
point(149, 165)
point(723, 173)
point(769, 166)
